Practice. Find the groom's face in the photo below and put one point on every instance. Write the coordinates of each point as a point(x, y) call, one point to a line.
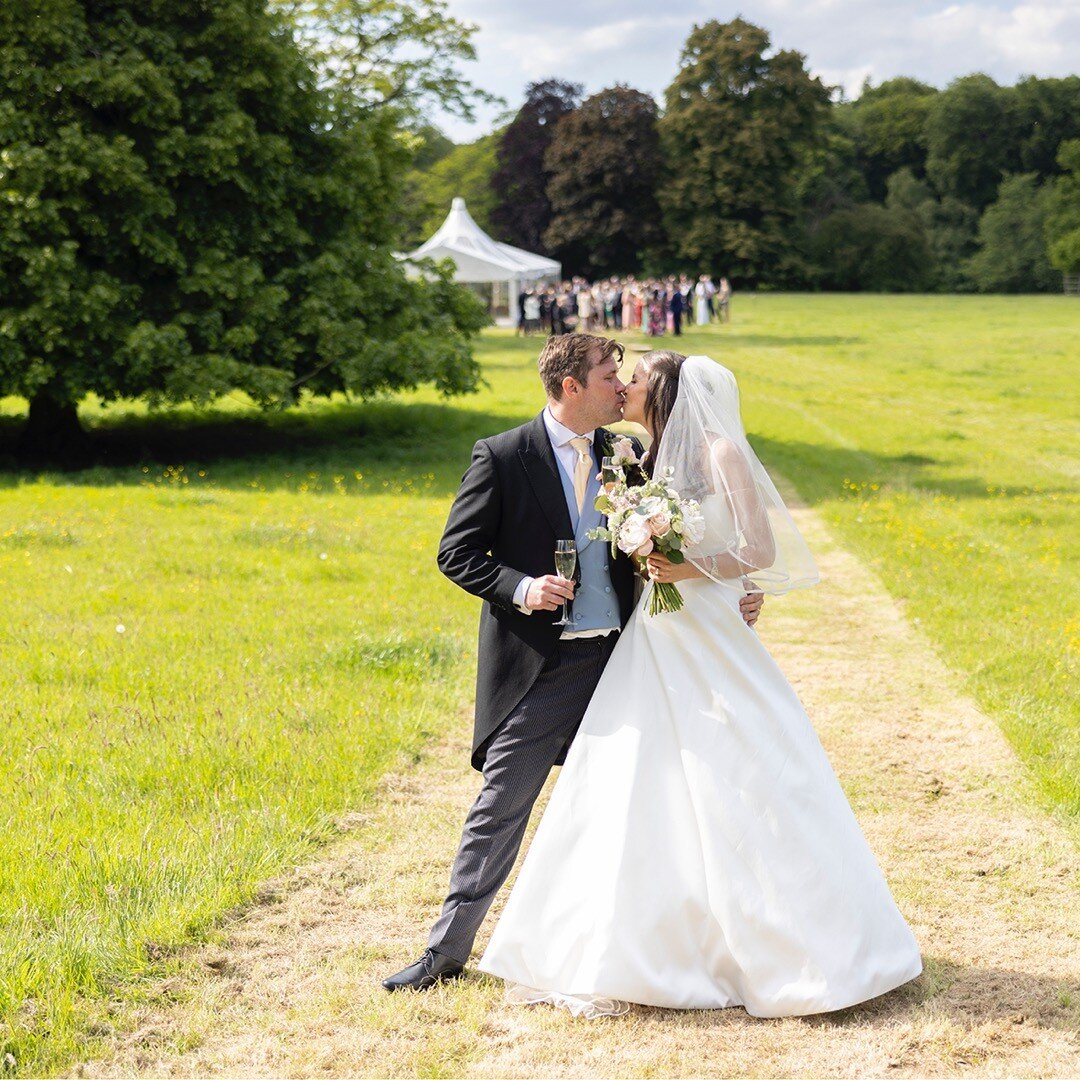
point(603, 395)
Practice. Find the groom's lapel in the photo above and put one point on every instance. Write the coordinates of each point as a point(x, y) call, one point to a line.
point(543, 472)
point(600, 446)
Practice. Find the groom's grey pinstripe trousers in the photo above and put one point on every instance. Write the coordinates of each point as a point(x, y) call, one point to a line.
point(519, 757)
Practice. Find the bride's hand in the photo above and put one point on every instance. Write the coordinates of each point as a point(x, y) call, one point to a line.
point(662, 569)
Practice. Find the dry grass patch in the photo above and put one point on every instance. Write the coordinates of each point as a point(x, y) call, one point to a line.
point(987, 881)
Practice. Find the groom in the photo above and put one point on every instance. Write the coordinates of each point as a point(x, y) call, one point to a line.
point(525, 489)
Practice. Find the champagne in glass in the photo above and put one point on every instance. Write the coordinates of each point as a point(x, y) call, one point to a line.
point(565, 565)
point(610, 474)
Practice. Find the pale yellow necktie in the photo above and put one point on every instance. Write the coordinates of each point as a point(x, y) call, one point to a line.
point(582, 469)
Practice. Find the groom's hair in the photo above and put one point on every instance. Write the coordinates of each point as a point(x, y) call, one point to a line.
point(569, 354)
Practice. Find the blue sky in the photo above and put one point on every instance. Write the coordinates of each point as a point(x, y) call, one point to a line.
point(600, 42)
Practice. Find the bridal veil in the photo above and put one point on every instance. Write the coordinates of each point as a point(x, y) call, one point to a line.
point(704, 451)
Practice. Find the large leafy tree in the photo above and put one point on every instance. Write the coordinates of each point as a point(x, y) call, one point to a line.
point(522, 210)
point(185, 211)
point(605, 168)
point(1046, 113)
point(887, 123)
point(1063, 211)
point(971, 137)
point(1012, 240)
point(738, 122)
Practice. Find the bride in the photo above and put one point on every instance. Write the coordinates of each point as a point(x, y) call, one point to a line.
point(698, 851)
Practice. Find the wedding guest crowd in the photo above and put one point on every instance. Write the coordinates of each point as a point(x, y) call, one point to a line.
point(655, 306)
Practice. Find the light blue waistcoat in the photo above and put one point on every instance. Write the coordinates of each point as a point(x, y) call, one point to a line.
point(596, 607)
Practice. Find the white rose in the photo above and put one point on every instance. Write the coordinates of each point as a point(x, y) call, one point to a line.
point(633, 533)
point(693, 522)
point(622, 450)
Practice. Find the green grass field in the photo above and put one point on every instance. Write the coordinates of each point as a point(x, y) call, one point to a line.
point(212, 654)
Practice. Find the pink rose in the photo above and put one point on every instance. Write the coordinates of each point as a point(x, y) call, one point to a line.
point(645, 549)
point(660, 524)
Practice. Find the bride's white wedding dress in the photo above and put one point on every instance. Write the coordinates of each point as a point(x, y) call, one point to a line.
point(698, 851)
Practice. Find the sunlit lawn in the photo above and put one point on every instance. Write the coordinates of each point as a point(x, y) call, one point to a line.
point(210, 656)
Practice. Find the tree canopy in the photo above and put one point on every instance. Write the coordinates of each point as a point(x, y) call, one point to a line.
point(1012, 244)
point(522, 210)
point(1063, 211)
point(888, 126)
point(738, 122)
point(376, 53)
point(969, 137)
point(427, 191)
point(872, 248)
point(605, 167)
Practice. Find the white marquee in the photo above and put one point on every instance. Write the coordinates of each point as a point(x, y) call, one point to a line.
point(479, 260)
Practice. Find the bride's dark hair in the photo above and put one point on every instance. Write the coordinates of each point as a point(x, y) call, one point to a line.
point(661, 388)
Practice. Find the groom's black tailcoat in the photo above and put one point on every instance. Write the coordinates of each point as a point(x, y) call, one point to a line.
point(508, 513)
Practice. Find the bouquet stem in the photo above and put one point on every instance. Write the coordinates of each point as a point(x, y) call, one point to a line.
point(664, 597)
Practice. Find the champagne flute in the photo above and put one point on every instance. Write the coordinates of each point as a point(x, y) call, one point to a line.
point(610, 474)
point(565, 565)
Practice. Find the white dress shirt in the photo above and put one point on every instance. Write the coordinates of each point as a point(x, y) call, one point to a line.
point(560, 436)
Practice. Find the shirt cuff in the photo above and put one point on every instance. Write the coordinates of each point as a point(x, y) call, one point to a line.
point(520, 593)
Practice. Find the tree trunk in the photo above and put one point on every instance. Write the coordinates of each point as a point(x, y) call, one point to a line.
point(53, 433)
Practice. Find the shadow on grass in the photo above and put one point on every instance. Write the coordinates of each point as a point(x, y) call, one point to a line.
point(818, 471)
point(393, 441)
point(967, 996)
point(520, 353)
point(276, 451)
point(970, 997)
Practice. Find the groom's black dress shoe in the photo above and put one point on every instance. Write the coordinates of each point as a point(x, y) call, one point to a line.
point(431, 969)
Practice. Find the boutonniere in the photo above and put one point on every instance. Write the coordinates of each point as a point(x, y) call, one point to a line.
point(620, 448)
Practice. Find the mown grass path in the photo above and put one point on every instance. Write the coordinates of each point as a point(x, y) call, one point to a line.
point(986, 879)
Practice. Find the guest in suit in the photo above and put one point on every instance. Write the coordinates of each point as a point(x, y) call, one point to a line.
point(676, 304)
point(686, 290)
point(545, 310)
point(522, 297)
point(616, 303)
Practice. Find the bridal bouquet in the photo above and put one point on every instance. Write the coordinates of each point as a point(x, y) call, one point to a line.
point(641, 520)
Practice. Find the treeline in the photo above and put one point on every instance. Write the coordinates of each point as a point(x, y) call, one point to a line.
point(754, 170)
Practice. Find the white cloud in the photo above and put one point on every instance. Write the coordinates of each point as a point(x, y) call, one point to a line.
point(1034, 37)
point(600, 42)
